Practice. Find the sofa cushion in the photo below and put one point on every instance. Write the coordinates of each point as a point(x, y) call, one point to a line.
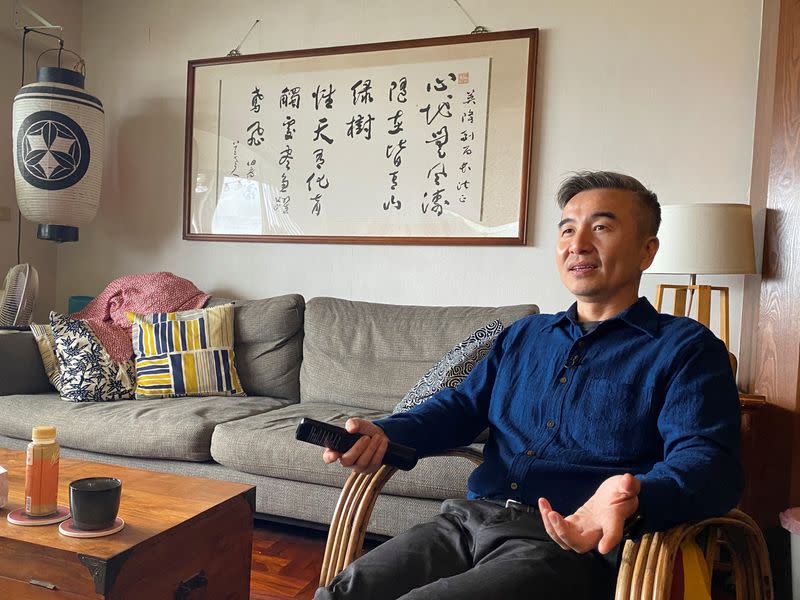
point(369, 355)
point(178, 428)
point(185, 353)
point(453, 367)
point(265, 445)
point(268, 343)
point(86, 371)
point(43, 334)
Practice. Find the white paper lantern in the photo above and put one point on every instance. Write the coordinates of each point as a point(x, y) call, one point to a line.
point(58, 131)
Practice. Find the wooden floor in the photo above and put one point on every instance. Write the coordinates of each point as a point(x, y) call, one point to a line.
point(286, 562)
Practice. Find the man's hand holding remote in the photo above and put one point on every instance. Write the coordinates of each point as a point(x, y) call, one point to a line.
point(367, 453)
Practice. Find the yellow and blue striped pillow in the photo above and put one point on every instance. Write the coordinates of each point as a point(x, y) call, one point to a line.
point(187, 353)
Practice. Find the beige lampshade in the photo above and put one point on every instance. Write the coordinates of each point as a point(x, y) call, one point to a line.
point(705, 239)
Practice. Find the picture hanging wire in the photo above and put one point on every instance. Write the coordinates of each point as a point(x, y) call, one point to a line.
point(235, 51)
point(478, 28)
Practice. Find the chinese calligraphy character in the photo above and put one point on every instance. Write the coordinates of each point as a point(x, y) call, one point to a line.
point(400, 86)
point(286, 157)
point(393, 175)
point(467, 135)
point(315, 210)
point(440, 138)
point(436, 200)
point(252, 170)
point(255, 101)
point(256, 134)
point(284, 182)
point(392, 202)
point(358, 125)
point(321, 95)
point(391, 149)
point(290, 129)
point(443, 110)
point(397, 124)
point(440, 85)
point(437, 175)
point(290, 97)
point(322, 126)
point(362, 91)
point(319, 158)
point(322, 178)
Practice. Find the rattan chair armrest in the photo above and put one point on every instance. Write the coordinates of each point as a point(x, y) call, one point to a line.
point(648, 564)
point(354, 509)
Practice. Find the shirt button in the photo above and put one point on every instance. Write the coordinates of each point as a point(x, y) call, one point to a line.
point(550, 424)
point(581, 344)
point(514, 485)
point(531, 453)
point(563, 380)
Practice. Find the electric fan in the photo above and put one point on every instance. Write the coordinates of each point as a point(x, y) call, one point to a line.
point(18, 296)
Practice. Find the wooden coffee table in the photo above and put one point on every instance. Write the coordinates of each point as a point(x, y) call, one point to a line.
point(184, 537)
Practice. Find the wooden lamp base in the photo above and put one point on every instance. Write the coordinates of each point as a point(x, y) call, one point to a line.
point(703, 314)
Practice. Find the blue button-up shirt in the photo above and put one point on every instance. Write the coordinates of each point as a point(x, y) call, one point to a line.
point(643, 393)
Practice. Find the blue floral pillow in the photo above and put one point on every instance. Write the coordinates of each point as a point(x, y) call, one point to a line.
point(453, 367)
point(88, 373)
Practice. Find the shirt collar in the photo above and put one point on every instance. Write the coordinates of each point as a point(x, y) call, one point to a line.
point(640, 314)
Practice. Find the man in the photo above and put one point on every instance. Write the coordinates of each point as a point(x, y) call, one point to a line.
point(607, 413)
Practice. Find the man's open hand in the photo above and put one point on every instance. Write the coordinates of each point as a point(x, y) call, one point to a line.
point(367, 453)
point(599, 522)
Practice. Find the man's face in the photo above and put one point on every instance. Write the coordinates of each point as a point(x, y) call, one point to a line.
point(602, 248)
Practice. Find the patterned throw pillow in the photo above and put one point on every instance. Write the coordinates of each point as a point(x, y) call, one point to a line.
point(43, 334)
point(88, 373)
point(454, 366)
point(188, 353)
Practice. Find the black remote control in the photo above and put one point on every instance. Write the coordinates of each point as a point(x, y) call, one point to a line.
point(339, 439)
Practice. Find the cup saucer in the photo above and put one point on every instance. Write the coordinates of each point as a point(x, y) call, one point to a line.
point(66, 528)
point(18, 517)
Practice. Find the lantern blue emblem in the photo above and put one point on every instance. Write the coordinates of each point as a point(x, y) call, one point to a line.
point(52, 150)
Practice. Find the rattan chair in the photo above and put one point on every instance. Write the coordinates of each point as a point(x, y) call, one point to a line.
point(647, 565)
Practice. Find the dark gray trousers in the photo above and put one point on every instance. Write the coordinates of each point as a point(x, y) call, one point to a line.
point(474, 549)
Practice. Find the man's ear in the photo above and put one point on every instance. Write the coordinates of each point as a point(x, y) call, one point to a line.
point(649, 252)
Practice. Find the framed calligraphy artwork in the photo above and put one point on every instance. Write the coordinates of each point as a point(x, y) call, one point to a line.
point(414, 142)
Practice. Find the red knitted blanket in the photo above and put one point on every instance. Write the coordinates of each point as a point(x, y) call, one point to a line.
point(141, 293)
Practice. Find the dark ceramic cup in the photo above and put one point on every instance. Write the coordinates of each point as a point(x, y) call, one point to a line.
point(94, 502)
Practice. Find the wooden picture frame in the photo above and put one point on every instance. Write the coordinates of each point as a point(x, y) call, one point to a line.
point(431, 143)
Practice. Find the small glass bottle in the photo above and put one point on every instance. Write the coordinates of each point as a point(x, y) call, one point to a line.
point(41, 473)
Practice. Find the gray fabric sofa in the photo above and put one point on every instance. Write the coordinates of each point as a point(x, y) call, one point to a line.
point(328, 359)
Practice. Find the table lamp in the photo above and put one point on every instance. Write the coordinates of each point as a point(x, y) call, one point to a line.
point(700, 239)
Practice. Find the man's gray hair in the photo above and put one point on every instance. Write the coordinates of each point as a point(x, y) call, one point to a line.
point(583, 181)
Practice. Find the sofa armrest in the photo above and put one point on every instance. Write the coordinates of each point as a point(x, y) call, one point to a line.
point(21, 369)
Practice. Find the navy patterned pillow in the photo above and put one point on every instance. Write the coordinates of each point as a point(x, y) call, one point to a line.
point(453, 367)
point(88, 373)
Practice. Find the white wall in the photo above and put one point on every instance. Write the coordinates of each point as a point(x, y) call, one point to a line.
point(67, 13)
point(663, 91)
